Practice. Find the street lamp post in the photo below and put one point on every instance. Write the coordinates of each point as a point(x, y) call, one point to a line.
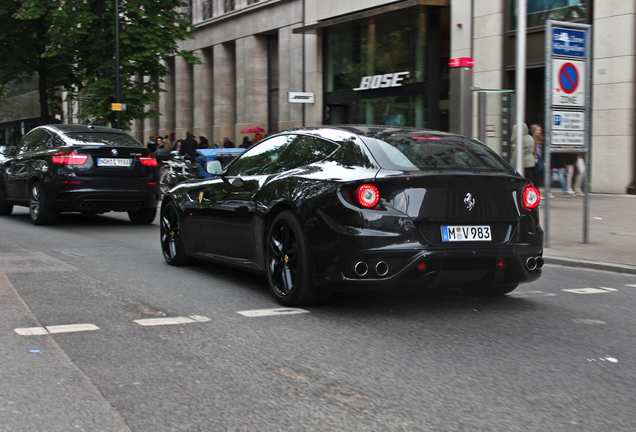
point(117, 84)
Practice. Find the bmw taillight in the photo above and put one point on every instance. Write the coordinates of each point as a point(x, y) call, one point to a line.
point(149, 160)
point(68, 158)
point(366, 195)
point(530, 197)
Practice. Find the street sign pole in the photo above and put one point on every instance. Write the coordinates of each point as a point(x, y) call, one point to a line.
point(117, 71)
point(520, 86)
point(568, 102)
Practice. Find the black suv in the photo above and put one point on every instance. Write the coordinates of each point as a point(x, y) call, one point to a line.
point(76, 168)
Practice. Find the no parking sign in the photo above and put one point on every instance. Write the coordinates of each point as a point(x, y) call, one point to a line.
point(568, 79)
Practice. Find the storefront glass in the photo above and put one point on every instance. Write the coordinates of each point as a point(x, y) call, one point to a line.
point(541, 10)
point(378, 71)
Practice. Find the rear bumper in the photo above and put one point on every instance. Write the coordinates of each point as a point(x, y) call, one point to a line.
point(134, 195)
point(443, 268)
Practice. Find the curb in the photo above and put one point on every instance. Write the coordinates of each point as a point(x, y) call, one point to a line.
point(596, 265)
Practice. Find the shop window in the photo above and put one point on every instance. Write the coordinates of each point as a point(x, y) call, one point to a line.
point(228, 6)
point(541, 10)
point(207, 9)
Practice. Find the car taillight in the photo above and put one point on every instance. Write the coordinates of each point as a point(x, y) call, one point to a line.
point(149, 160)
point(530, 197)
point(68, 158)
point(367, 195)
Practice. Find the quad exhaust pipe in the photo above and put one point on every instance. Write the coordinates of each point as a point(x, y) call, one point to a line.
point(534, 263)
point(361, 268)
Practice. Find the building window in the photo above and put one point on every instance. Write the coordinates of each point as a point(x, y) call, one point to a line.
point(251, 2)
point(207, 9)
point(541, 10)
point(228, 6)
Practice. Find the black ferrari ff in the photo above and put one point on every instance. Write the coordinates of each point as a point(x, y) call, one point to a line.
point(328, 208)
point(79, 168)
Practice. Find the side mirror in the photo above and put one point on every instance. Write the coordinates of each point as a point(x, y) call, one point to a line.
point(214, 167)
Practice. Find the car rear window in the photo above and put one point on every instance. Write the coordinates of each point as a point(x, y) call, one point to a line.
point(103, 138)
point(435, 154)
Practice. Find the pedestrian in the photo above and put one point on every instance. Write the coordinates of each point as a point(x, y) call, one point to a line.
point(152, 144)
point(537, 135)
point(189, 147)
point(227, 143)
point(257, 137)
point(203, 142)
point(246, 143)
point(529, 154)
point(575, 165)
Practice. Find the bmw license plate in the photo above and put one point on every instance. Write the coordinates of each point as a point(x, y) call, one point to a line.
point(114, 162)
point(452, 233)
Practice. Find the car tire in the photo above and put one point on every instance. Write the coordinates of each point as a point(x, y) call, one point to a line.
point(143, 216)
point(5, 209)
point(172, 245)
point(287, 260)
point(489, 290)
point(40, 213)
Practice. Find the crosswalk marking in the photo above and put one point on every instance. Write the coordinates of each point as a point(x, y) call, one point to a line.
point(68, 328)
point(271, 312)
point(171, 320)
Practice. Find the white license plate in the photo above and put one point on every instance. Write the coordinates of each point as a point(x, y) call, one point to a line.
point(114, 162)
point(452, 233)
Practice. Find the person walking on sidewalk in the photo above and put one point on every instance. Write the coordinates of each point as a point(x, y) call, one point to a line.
point(529, 155)
point(575, 164)
point(189, 147)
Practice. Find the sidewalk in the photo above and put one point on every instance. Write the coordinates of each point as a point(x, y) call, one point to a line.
point(611, 231)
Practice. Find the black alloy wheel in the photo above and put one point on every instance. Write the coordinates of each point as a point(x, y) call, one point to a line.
point(171, 240)
point(5, 209)
point(40, 213)
point(143, 216)
point(287, 260)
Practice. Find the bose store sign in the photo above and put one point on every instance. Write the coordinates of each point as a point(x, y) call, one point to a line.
point(382, 81)
point(299, 97)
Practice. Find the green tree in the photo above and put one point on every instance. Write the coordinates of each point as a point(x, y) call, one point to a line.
point(23, 46)
point(149, 31)
point(78, 36)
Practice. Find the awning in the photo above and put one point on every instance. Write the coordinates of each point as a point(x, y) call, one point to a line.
point(369, 13)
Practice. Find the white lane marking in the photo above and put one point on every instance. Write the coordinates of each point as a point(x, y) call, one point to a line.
point(171, 320)
point(600, 290)
point(608, 358)
point(531, 294)
point(69, 328)
point(588, 321)
point(31, 331)
point(631, 285)
point(271, 312)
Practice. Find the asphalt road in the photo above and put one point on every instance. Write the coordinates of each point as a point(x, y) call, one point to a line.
point(555, 355)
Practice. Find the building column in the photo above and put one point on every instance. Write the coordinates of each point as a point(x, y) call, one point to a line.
point(225, 94)
point(184, 103)
point(290, 51)
point(251, 83)
point(166, 102)
point(203, 95)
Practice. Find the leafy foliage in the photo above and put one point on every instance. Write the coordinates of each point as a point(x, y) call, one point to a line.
point(78, 36)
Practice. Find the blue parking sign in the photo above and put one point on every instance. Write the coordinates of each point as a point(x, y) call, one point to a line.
point(557, 120)
point(568, 42)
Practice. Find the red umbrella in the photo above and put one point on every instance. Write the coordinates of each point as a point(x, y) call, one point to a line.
point(252, 129)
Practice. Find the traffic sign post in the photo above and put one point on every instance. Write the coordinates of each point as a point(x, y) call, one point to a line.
point(568, 101)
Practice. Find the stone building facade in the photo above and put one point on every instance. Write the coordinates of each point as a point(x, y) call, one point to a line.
point(254, 52)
